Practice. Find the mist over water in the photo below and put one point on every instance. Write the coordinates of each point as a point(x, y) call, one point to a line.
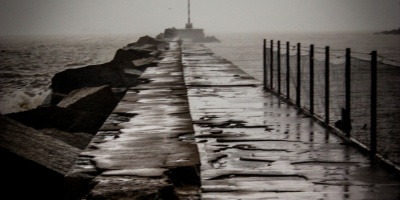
point(245, 50)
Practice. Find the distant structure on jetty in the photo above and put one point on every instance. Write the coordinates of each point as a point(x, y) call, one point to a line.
point(194, 34)
point(392, 32)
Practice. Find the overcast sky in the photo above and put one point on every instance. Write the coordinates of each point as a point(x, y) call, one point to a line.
point(153, 16)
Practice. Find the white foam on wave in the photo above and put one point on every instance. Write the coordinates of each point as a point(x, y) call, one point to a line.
point(22, 100)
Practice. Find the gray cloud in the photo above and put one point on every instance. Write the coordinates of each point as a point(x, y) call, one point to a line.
point(152, 16)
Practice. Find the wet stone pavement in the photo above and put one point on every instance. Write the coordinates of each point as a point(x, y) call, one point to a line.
point(254, 146)
point(146, 147)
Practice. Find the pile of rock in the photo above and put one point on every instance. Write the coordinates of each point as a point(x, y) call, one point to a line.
point(39, 146)
point(391, 32)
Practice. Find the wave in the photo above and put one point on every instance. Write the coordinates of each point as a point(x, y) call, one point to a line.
point(22, 100)
point(10, 75)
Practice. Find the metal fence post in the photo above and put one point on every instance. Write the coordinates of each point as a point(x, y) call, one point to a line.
point(272, 66)
point(287, 70)
point(265, 63)
point(327, 86)
point(312, 79)
point(298, 95)
point(373, 102)
point(347, 113)
point(279, 66)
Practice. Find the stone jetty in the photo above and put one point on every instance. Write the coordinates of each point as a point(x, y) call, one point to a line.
point(146, 147)
point(183, 123)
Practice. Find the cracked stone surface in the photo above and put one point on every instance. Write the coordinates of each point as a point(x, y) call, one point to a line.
point(254, 146)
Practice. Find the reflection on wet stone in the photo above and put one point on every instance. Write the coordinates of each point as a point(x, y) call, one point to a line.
point(254, 146)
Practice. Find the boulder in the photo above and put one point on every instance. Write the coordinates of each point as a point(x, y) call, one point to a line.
point(126, 56)
point(393, 32)
point(149, 44)
point(144, 61)
point(111, 73)
point(146, 40)
point(160, 36)
point(91, 76)
point(142, 64)
point(33, 164)
point(78, 140)
point(99, 100)
point(52, 99)
point(64, 119)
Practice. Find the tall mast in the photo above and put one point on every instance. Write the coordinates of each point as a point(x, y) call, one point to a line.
point(189, 24)
point(188, 11)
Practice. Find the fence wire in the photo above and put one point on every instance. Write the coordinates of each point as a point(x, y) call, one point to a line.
point(388, 105)
point(388, 112)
